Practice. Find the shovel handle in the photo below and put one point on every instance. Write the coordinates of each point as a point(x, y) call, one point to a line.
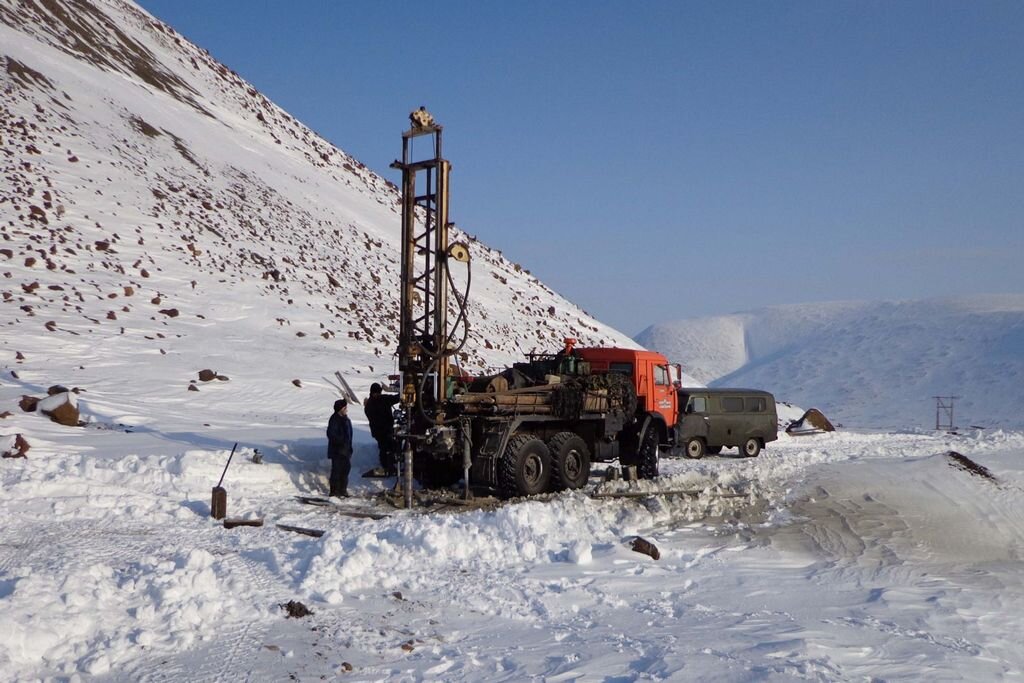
point(228, 465)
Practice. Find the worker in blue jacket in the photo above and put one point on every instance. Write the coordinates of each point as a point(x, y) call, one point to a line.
point(339, 448)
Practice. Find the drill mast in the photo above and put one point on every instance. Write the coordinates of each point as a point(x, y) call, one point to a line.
point(423, 338)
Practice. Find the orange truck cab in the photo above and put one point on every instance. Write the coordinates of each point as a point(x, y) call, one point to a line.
point(655, 380)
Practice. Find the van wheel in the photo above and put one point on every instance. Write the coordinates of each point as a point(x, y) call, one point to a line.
point(525, 467)
point(751, 447)
point(695, 448)
point(648, 455)
point(713, 450)
point(570, 461)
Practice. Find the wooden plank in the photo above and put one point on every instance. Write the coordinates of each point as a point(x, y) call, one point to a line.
point(315, 533)
point(233, 522)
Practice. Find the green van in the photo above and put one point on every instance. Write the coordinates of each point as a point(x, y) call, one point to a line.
point(714, 419)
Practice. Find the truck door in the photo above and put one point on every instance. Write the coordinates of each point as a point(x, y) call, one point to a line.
point(664, 394)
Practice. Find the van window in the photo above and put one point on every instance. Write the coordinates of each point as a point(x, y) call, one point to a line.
point(621, 368)
point(660, 375)
point(697, 404)
point(732, 404)
point(755, 404)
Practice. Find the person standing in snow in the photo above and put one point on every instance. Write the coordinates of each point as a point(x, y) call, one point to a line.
point(339, 447)
point(382, 426)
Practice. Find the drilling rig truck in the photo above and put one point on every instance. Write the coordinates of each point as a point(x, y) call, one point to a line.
point(536, 426)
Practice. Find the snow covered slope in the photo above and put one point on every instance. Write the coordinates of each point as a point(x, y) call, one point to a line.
point(868, 364)
point(143, 178)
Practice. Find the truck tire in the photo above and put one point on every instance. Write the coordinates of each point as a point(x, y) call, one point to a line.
point(570, 461)
point(648, 454)
point(695, 448)
point(751, 447)
point(525, 467)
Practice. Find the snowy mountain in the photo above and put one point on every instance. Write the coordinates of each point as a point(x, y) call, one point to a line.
point(867, 364)
point(145, 181)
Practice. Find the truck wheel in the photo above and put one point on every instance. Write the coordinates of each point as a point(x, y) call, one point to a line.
point(525, 468)
point(695, 448)
point(713, 450)
point(570, 461)
point(648, 455)
point(751, 447)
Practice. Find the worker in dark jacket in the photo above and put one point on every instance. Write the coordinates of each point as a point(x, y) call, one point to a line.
point(382, 426)
point(339, 447)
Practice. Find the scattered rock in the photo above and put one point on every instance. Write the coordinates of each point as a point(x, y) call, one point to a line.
point(102, 245)
point(56, 389)
point(408, 646)
point(297, 383)
point(51, 325)
point(346, 667)
point(296, 609)
point(129, 291)
point(6, 414)
point(13, 446)
point(169, 312)
point(14, 374)
point(28, 403)
point(19, 356)
point(332, 282)
point(61, 408)
point(811, 422)
point(962, 462)
point(222, 378)
point(7, 252)
point(193, 387)
point(645, 547)
point(397, 595)
point(207, 375)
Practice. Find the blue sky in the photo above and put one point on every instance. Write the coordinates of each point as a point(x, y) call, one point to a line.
point(653, 161)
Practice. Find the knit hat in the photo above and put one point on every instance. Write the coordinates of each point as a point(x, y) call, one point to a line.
point(375, 388)
point(339, 404)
